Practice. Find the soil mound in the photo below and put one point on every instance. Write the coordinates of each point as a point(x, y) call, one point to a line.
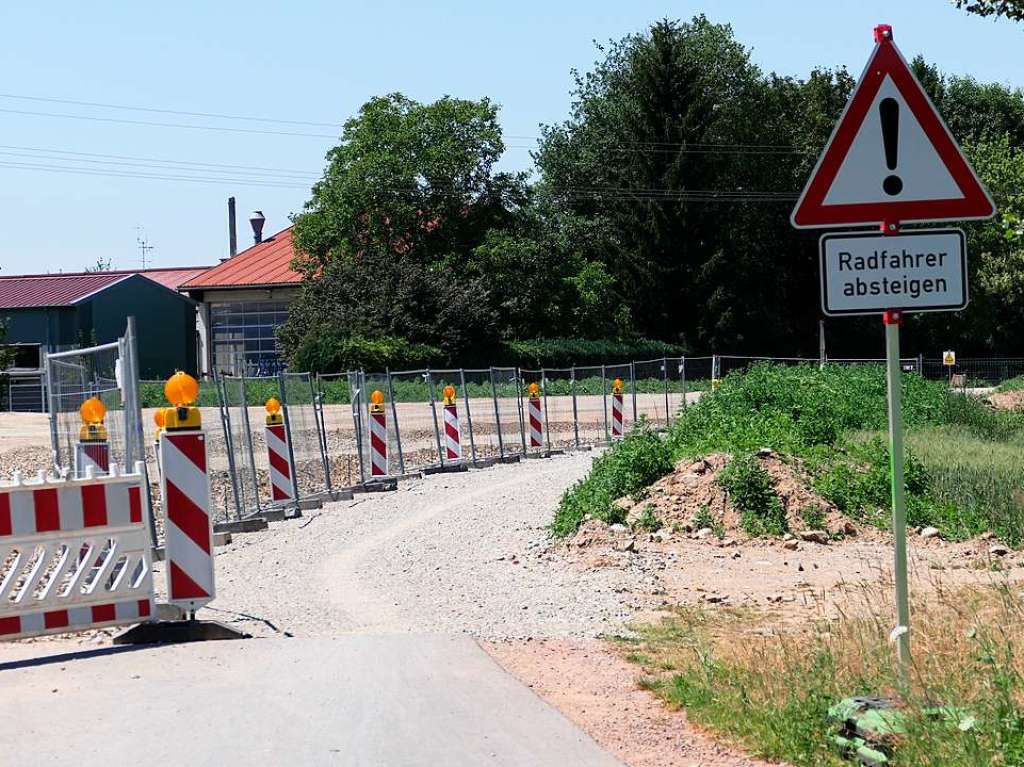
point(1007, 400)
point(677, 501)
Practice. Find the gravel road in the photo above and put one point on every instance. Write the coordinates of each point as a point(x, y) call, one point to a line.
point(449, 553)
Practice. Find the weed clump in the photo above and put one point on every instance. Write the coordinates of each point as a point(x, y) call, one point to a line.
point(640, 459)
point(752, 493)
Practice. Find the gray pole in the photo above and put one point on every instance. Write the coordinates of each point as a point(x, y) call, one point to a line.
point(248, 442)
point(604, 401)
point(575, 412)
point(519, 403)
point(544, 394)
point(682, 374)
point(433, 412)
point(821, 344)
point(469, 414)
point(356, 400)
point(133, 376)
point(497, 416)
point(288, 431)
point(664, 378)
point(394, 420)
point(51, 388)
point(899, 502)
point(632, 385)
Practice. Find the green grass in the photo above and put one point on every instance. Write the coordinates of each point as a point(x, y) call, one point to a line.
point(769, 690)
point(627, 470)
point(1012, 384)
point(752, 493)
point(962, 467)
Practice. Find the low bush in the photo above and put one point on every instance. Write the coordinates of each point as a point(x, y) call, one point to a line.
point(753, 494)
point(337, 351)
point(566, 352)
point(1012, 384)
point(626, 470)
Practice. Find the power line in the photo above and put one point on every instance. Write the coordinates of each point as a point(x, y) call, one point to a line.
point(52, 100)
point(93, 118)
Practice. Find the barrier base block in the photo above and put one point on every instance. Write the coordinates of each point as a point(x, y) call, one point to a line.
point(447, 468)
point(306, 504)
point(280, 514)
point(382, 485)
point(510, 459)
point(176, 632)
point(252, 525)
point(483, 463)
point(339, 495)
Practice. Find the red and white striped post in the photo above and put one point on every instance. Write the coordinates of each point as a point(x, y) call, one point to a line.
point(617, 408)
point(282, 486)
point(536, 417)
point(185, 490)
point(452, 432)
point(378, 436)
point(92, 454)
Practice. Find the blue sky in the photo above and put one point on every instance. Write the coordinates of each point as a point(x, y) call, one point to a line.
point(318, 61)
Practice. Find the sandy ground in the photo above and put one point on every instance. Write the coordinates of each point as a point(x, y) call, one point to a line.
point(596, 688)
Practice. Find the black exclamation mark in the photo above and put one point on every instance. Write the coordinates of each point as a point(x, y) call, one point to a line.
point(889, 112)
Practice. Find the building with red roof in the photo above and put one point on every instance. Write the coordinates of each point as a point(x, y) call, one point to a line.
point(50, 312)
point(243, 301)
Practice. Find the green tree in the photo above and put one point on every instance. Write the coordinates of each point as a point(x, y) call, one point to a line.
point(409, 191)
point(1011, 9)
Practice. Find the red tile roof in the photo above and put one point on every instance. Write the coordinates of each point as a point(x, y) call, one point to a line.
point(266, 264)
point(52, 289)
point(67, 288)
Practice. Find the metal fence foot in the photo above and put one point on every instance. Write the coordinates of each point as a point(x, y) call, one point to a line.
point(174, 632)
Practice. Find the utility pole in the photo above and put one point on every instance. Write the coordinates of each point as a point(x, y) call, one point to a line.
point(144, 246)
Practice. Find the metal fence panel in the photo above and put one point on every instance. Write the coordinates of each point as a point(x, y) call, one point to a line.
point(650, 385)
point(476, 396)
point(302, 419)
point(369, 383)
point(591, 408)
point(559, 414)
point(508, 400)
point(624, 373)
point(339, 423)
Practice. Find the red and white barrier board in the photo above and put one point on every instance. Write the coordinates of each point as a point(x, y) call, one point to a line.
point(281, 488)
point(452, 433)
point(378, 445)
point(616, 416)
point(74, 554)
point(536, 422)
point(188, 528)
point(94, 456)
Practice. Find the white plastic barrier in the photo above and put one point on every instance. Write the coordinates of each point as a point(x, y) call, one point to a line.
point(74, 554)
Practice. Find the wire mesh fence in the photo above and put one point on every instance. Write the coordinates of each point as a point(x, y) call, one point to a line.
point(339, 423)
point(302, 420)
point(557, 387)
point(508, 404)
point(650, 384)
point(480, 414)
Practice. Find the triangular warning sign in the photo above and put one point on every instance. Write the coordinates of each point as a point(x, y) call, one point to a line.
point(890, 158)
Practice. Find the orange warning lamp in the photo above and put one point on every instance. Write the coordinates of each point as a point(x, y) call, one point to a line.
point(449, 395)
point(617, 386)
point(377, 401)
point(534, 391)
point(182, 391)
point(160, 418)
point(92, 411)
point(273, 408)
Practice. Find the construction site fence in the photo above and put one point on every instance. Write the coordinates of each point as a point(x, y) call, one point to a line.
point(328, 426)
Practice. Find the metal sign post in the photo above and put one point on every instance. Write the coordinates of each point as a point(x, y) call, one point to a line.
point(894, 375)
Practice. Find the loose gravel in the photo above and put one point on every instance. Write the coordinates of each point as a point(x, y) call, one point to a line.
point(450, 553)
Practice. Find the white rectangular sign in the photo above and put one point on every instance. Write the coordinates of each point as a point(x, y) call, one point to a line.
point(916, 271)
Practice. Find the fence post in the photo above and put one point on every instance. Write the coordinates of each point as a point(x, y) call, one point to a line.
point(288, 431)
point(469, 413)
point(664, 378)
point(575, 414)
point(920, 365)
point(518, 373)
point(394, 421)
point(544, 394)
point(497, 417)
point(433, 412)
point(682, 373)
point(248, 441)
point(632, 385)
point(225, 426)
point(321, 428)
point(355, 395)
point(604, 401)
